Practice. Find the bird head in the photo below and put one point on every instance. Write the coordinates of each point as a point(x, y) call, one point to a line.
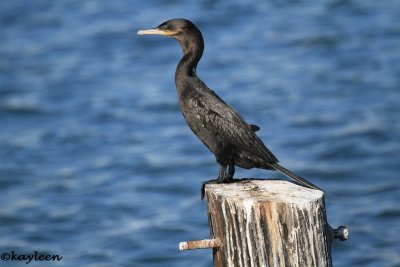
point(188, 36)
point(175, 28)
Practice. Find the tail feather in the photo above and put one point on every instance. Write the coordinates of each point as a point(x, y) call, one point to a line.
point(295, 177)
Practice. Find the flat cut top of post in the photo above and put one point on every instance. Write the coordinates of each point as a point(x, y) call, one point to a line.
point(266, 190)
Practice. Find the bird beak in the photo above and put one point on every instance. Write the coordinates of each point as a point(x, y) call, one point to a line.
point(155, 31)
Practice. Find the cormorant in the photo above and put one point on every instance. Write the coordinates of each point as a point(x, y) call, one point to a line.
point(221, 128)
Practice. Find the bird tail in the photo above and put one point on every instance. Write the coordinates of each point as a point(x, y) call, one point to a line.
point(295, 177)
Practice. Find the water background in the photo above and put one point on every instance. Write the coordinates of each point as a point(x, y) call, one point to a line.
point(98, 165)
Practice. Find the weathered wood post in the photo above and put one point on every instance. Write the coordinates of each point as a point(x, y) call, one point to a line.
point(264, 223)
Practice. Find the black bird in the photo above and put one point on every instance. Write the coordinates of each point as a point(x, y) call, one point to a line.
point(221, 128)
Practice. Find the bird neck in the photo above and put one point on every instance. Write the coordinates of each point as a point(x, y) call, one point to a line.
point(192, 51)
point(188, 64)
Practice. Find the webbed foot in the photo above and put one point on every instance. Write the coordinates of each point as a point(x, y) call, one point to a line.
point(203, 186)
point(223, 177)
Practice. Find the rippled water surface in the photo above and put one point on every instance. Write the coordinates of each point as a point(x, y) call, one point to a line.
point(98, 165)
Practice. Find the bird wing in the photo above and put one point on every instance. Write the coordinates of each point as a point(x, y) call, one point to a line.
point(222, 120)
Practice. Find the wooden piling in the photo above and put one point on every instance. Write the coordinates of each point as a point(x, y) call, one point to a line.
point(268, 223)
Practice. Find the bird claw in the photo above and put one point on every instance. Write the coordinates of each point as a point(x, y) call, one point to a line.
point(203, 186)
point(214, 181)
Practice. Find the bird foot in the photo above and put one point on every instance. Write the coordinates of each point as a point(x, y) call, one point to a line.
point(214, 181)
point(203, 186)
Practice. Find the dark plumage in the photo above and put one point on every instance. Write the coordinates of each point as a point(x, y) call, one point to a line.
point(221, 128)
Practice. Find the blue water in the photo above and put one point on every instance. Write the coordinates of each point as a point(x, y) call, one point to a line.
point(98, 165)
